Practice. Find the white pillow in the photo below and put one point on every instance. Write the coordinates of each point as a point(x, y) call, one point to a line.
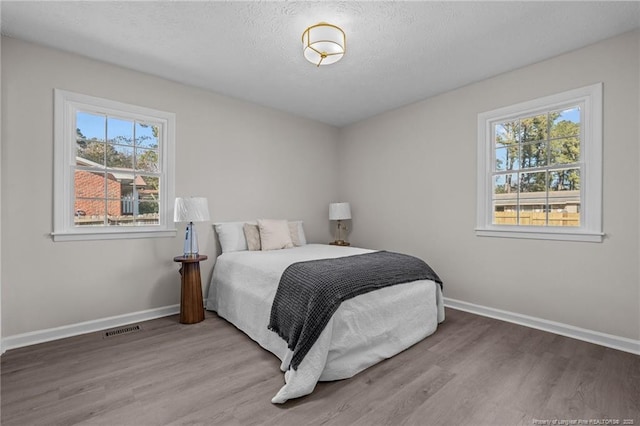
point(231, 236)
point(302, 239)
point(274, 234)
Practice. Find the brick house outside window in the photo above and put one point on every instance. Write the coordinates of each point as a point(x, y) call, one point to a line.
point(124, 195)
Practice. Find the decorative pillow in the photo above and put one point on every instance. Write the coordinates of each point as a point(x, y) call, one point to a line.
point(252, 234)
point(274, 234)
point(297, 233)
point(231, 236)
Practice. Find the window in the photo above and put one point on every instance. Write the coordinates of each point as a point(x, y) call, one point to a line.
point(113, 171)
point(540, 168)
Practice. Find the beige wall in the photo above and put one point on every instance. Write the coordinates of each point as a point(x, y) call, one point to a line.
point(1, 104)
point(410, 175)
point(638, 219)
point(249, 161)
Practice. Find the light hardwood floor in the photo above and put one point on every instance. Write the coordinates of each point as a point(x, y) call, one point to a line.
point(472, 371)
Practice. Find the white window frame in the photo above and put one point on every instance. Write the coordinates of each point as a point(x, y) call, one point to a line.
point(590, 229)
point(66, 105)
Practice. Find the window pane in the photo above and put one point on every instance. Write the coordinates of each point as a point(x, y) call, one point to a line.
point(505, 210)
point(564, 219)
point(149, 198)
point(533, 155)
point(564, 211)
point(534, 183)
point(507, 158)
point(114, 209)
point(97, 193)
point(93, 151)
point(533, 128)
point(89, 212)
point(119, 156)
point(134, 201)
point(90, 126)
point(126, 184)
point(565, 123)
point(564, 197)
point(565, 151)
point(533, 198)
point(505, 184)
point(532, 216)
point(119, 131)
point(89, 184)
point(566, 202)
point(128, 204)
point(147, 160)
point(148, 213)
point(147, 135)
point(151, 185)
point(564, 180)
point(506, 134)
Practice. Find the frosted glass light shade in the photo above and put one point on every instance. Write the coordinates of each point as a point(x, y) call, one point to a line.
point(324, 44)
point(191, 209)
point(339, 211)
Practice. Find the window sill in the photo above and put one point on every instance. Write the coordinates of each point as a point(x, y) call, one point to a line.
point(112, 234)
point(544, 234)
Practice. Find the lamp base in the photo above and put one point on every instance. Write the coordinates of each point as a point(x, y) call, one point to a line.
point(190, 242)
point(340, 243)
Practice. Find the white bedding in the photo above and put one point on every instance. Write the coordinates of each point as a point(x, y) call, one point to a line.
point(364, 330)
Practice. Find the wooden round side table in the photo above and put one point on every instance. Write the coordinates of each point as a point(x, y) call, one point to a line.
point(191, 305)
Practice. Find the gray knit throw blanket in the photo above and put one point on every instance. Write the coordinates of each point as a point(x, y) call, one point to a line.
point(310, 292)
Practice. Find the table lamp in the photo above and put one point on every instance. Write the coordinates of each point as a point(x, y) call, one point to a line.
point(339, 212)
point(191, 209)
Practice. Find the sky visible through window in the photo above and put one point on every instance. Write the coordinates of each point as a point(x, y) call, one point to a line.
point(92, 126)
point(571, 115)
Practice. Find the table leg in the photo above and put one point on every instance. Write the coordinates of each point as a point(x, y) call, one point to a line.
point(191, 305)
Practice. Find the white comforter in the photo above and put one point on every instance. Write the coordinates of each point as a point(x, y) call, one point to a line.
point(364, 330)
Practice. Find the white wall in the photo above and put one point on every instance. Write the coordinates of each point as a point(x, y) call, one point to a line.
point(410, 176)
point(1, 346)
point(638, 121)
point(249, 161)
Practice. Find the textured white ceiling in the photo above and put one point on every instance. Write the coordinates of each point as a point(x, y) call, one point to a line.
point(397, 52)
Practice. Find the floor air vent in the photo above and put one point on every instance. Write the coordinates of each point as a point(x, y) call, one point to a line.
point(122, 330)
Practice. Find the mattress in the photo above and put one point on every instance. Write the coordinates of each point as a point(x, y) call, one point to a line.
point(362, 332)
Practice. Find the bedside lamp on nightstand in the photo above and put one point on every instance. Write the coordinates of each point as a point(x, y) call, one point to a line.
point(191, 209)
point(339, 212)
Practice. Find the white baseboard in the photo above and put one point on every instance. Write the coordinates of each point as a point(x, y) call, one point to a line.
point(71, 330)
point(603, 339)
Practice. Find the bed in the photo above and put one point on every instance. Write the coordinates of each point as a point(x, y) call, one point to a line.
point(362, 332)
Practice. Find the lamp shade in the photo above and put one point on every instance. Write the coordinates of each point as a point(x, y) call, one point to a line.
point(339, 211)
point(191, 209)
point(323, 44)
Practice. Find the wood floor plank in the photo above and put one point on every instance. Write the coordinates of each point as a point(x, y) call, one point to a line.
point(401, 402)
point(472, 371)
point(574, 394)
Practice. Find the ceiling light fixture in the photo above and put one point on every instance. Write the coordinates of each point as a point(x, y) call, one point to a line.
point(324, 44)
